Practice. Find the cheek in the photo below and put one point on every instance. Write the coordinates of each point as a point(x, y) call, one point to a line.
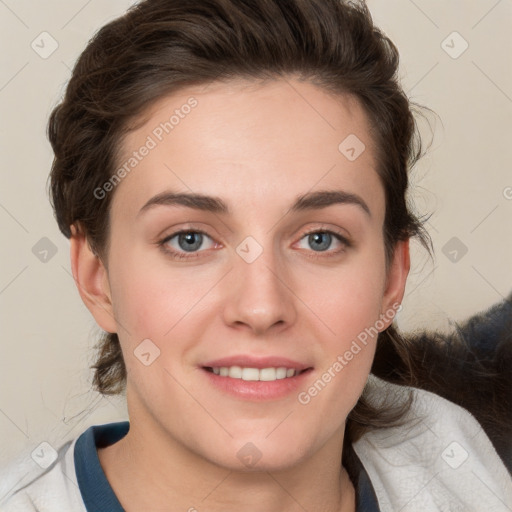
point(153, 300)
point(348, 346)
point(349, 306)
point(349, 298)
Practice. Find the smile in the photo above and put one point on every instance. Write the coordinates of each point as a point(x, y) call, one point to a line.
point(255, 374)
point(257, 378)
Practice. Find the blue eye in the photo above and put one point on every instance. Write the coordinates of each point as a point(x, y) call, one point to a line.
point(185, 241)
point(320, 241)
point(190, 241)
point(188, 244)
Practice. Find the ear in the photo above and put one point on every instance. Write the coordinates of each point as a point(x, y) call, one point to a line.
point(91, 279)
point(395, 282)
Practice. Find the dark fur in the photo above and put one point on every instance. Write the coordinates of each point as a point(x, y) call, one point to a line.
point(470, 366)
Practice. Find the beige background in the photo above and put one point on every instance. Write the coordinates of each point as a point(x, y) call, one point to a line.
point(466, 180)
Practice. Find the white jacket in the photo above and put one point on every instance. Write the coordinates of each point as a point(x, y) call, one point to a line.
point(441, 461)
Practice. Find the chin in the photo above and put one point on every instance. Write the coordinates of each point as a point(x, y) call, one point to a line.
point(257, 454)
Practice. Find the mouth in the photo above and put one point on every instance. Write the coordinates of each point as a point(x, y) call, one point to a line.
point(269, 374)
point(256, 379)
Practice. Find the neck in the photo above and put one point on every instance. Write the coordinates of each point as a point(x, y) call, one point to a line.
point(148, 470)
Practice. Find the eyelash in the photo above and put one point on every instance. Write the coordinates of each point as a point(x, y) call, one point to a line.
point(192, 255)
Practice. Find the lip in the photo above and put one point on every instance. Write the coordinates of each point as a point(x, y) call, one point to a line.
point(257, 390)
point(248, 361)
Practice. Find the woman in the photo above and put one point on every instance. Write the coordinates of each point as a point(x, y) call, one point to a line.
point(232, 178)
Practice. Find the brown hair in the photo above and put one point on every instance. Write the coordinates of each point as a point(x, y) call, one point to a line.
point(161, 46)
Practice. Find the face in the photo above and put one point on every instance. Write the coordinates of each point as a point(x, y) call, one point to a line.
point(246, 241)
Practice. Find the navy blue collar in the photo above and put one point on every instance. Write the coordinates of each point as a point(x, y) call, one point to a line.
point(98, 495)
point(92, 482)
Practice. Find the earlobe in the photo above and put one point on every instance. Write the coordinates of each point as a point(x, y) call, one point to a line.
point(91, 279)
point(396, 280)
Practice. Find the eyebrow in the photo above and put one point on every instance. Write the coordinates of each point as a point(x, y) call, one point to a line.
point(310, 201)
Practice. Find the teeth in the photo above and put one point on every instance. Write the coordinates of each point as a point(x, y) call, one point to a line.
point(280, 373)
point(268, 374)
point(235, 372)
point(253, 374)
point(250, 374)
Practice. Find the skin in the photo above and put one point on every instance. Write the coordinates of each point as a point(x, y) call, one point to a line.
point(257, 146)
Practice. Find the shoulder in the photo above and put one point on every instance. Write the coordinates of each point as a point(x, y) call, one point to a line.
point(440, 457)
point(48, 485)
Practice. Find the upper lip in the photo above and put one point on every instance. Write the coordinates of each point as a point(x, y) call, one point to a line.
point(247, 361)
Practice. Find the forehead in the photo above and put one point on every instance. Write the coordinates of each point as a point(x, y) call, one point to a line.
point(253, 143)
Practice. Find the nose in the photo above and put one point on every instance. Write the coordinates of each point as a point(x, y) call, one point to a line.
point(259, 298)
